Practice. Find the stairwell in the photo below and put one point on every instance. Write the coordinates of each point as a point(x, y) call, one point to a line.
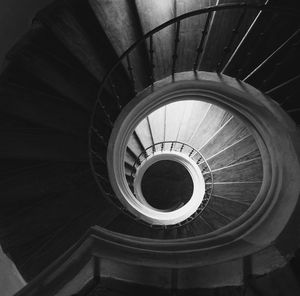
point(74, 63)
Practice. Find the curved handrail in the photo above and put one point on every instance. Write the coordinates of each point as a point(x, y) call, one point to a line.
point(190, 14)
point(210, 9)
point(103, 243)
point(205, 169)
point(151, 33)
point(162, 143)
point(106, 79)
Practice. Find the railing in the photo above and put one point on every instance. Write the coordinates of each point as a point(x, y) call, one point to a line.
point(124, 80)
point(175, 146)
point(125, 60)
point(193, 154)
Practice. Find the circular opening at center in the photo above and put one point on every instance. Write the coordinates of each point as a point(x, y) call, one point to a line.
point(167, 185)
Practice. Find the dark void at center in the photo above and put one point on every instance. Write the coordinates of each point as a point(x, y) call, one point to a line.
point(167, 185)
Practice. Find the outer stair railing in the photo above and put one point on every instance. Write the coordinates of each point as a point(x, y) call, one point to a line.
point(102, 120)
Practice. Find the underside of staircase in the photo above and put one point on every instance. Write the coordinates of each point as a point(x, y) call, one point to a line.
point(68, 87)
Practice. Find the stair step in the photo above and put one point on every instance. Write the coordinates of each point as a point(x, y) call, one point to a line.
point(281, 58)
point(268, 32)
point(214, 218)
point(11, 167)
point(76, 31)
point(135, 144)
point(43, 40)
point(42, 144)
point(214, 119)
point(193, 115)
point(120, 22)
point(281, 91)
point(128, 169)
point(188, 232)
point(130, 157)
point(153, 13)
point(238, 151)
point(200, 226)
point(241, 192)
point(144, 133)
point(228, 208)
point(47, 62)
point(38, 178)
point(51, 244)
point(157, 122)
point(8, 121)
point(190, 32)
point(126, 225)
point(220, 46)
point(283, 63)
point(171, 233)
point(173, 122)
point(76, 26)
point(231, 132)
point(248, 157)
point(250, 170)
point(182, 232)
point(41, 109)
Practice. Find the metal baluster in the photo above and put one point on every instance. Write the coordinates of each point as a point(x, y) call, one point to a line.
point(199, 160)
point(181, 148)
point(207, 177)
point(151, 51)
point(278, 49)
point(101, 177)
point(242, 41)
point(131, 75)
point(146, 154)
point(115, 93)
point(162, 147)
point(97, 156)
point(172, 145)
point(208, 192)
point(93, 129)
point(282, 84)
point(253, 49)
point(175, 56)
point(202, 41)
point(153, 149)
point(204, 168)
point(106, 114)
point(191, 152)
point(227, 49)
point(247, 58)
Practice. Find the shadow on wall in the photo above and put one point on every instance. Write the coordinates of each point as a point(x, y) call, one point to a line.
point(15, 19)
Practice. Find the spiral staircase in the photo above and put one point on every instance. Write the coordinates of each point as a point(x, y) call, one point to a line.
point(152, 147)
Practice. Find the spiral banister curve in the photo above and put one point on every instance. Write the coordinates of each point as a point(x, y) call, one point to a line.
point(240, 133)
